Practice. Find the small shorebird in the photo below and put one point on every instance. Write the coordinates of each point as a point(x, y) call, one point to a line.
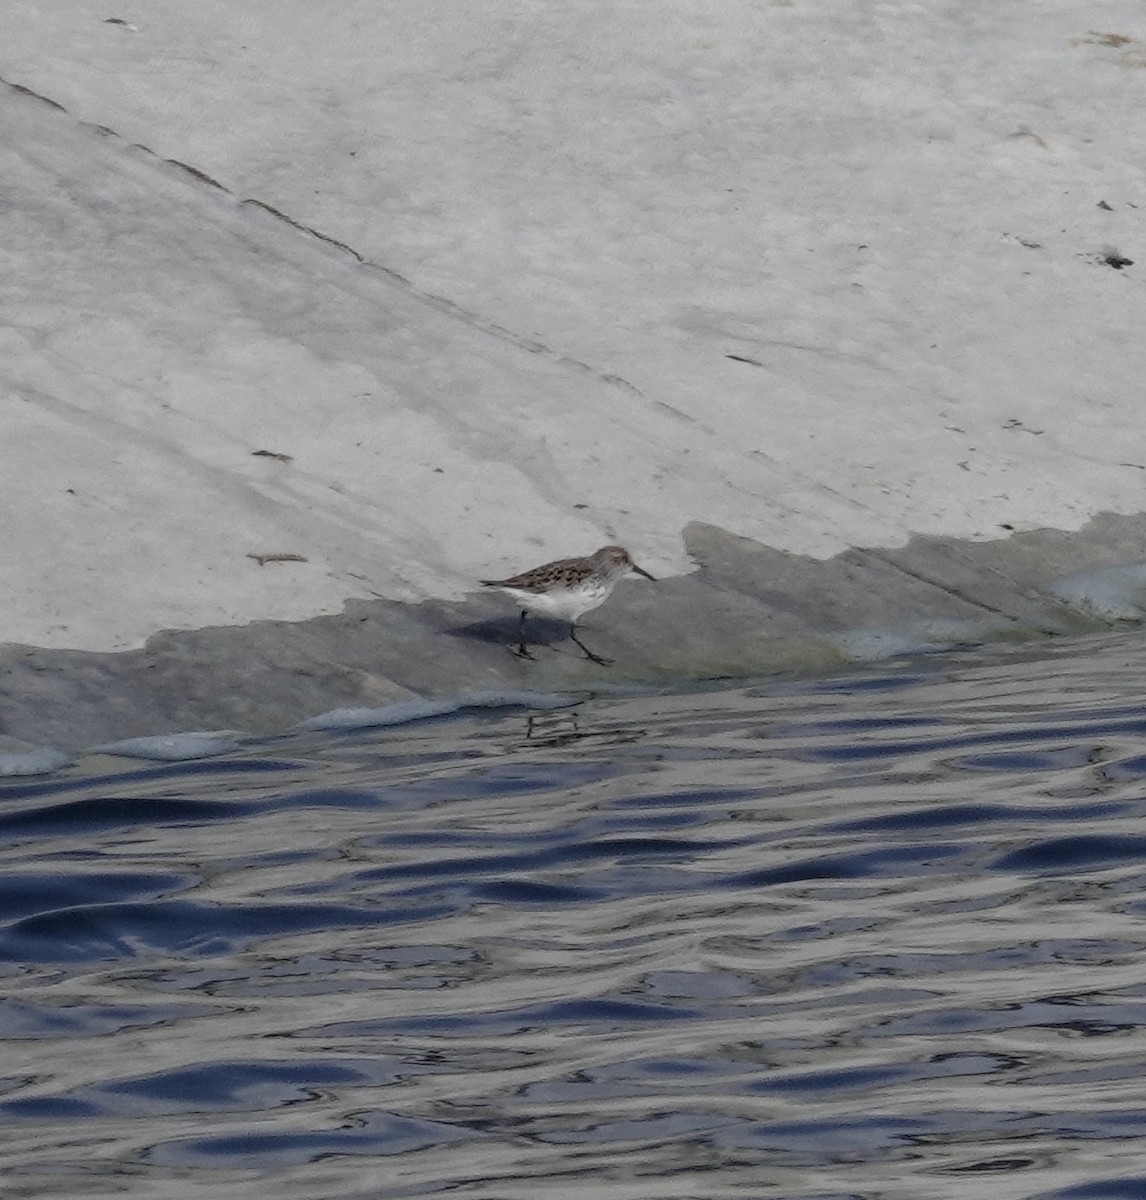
point(567, 589)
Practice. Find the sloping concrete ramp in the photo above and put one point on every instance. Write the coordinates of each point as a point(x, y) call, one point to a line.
point(310, 320)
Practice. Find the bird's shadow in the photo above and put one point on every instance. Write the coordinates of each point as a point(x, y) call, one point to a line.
point(505, 631)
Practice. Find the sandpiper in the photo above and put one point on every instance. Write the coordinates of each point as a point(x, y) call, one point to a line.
point(567, 589)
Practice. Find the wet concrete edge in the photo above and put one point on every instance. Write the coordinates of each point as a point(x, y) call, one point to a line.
point(747, 611)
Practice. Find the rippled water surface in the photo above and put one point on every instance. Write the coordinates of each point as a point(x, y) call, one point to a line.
point(875, 936)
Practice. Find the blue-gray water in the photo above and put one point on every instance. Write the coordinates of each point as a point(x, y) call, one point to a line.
point(877, 936)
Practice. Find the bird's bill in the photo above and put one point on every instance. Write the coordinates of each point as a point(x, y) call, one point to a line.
point(642, 571)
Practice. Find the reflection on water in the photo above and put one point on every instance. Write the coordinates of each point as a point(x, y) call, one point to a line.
point(875, 936)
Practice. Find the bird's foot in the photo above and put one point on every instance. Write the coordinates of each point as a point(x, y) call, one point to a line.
point(600, 659)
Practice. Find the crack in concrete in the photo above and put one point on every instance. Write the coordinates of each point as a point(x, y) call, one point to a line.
point(322, 237)
point(441, 303)
point(959, 594)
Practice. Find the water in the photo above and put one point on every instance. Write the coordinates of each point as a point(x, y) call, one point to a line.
point(875, 936)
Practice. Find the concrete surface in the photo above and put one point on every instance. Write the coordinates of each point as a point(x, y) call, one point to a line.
point(312, 315)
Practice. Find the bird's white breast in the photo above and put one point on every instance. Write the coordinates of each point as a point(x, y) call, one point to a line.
point(567, 604)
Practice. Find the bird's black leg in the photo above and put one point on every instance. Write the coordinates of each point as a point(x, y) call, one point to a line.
point(522, 650)
point(597, 658)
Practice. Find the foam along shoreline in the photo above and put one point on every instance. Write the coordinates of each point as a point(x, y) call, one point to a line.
point(747, 611)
